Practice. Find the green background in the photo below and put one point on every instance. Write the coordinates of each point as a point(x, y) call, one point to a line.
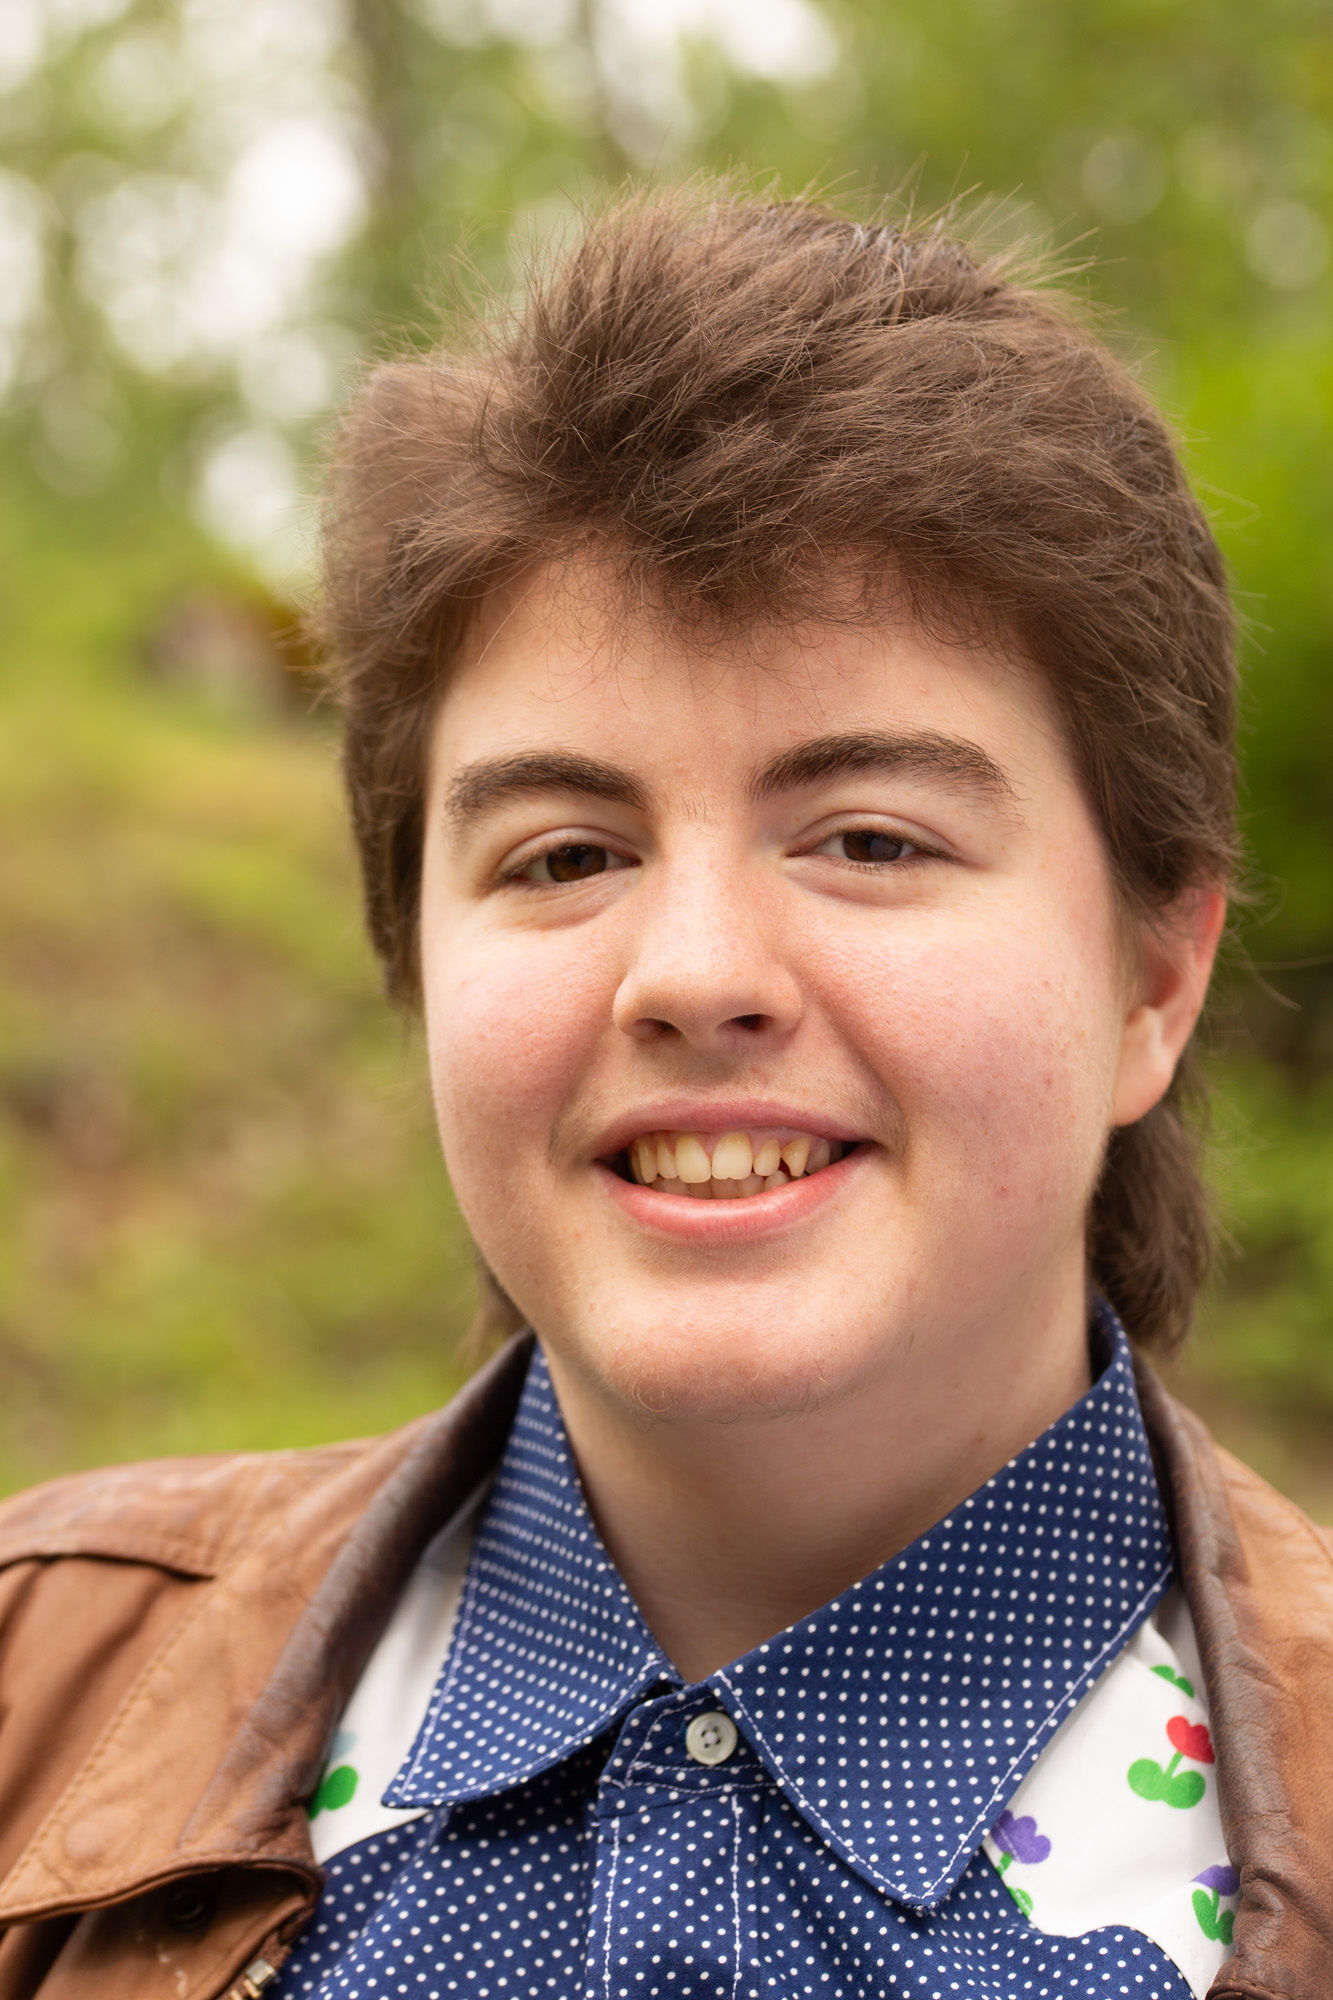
point(222, 1221)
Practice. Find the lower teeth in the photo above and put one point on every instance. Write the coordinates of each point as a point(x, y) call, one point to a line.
point(722, 1190)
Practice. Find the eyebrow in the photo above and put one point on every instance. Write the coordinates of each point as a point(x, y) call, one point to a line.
point(491, 782)
point(921, 753)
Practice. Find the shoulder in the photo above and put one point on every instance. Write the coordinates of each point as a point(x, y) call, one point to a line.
point(188, 1515)
point(153, 1614)
point(1249, 1492)
point(1279, 1553)
point(1221, 1506)
point(197, 1517)
point(99, 1572)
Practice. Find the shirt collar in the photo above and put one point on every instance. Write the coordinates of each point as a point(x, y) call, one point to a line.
point(549, 1648)
point(898, 1719)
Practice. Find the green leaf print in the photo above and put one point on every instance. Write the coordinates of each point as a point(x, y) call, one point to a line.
point(1172, 1786)
point(1176, 1680)
point(336, 1788)
point(1214, 1922)
point(1020, 1896)
point(1152, 1780)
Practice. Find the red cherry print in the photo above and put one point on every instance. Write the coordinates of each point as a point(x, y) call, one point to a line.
point(1191, 1739)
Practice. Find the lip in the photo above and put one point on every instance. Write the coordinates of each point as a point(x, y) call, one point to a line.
point(681, 1114)
point(682, 1218)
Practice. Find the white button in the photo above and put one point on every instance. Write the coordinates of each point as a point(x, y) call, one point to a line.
point(710, 1739)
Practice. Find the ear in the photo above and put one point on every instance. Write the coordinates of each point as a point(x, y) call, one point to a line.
point(1175, 962)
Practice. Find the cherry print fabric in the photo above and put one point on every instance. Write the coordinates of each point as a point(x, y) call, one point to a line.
point(1118, 1820)
point(872, 1832)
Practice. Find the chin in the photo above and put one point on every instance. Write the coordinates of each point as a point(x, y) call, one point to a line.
point(724, 1371)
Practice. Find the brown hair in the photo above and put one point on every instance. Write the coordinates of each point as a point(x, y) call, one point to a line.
point(745, 400)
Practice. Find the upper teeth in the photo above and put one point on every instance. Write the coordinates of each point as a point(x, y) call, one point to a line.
point(727, 1163)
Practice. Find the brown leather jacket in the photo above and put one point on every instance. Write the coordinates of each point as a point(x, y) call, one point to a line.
point(179, 1640)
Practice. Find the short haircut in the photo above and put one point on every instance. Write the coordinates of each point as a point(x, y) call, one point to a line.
point(751, 403)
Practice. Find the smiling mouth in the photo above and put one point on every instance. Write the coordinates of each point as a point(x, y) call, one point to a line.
point(725, 1166)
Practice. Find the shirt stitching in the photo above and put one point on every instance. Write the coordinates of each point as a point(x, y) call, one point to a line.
point(736, 1890)
point(466, 1616)
point(1001, 1791)
point(611, 1904)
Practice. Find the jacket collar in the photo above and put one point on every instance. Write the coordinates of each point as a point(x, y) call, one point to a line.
point(959, 1652)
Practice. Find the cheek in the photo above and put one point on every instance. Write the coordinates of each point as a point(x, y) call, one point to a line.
point(1000, 1047)
point(510, 1025)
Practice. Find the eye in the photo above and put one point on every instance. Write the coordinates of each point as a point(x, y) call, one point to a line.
point(867, 846)
point(576, 861)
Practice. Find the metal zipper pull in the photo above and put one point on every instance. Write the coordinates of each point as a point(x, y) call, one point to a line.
point(257, 1975)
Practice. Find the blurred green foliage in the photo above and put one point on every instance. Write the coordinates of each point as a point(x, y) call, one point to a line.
point(222, 1220)
point(225, 1218)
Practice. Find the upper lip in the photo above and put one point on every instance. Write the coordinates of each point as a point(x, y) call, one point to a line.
point(679, 1114)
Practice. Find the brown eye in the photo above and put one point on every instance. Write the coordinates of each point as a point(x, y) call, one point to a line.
point(572, 863)
point(863, 844)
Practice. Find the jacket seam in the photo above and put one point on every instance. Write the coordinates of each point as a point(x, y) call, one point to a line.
point(310, 1875)
point(174, 1556)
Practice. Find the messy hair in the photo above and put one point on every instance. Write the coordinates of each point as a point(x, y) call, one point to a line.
point(749, 402)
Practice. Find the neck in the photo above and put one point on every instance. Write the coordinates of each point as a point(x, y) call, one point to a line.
point(727, 1532)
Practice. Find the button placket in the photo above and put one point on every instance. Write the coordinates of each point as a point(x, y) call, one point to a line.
point(665, 1910)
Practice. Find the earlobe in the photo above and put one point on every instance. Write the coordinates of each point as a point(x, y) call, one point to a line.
point(1175, 964)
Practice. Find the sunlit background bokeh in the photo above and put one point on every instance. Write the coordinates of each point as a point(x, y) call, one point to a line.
point(222, 1221)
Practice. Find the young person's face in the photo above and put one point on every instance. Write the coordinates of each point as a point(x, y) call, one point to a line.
point(839, 886)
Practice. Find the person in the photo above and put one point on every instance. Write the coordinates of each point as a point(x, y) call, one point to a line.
point(790, 710)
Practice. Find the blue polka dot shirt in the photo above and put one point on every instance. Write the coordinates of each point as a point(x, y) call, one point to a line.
point(806, 1822)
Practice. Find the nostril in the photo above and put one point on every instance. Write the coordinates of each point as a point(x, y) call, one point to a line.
point(751, 1021)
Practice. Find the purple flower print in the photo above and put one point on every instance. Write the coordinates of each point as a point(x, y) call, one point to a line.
point(1020, 1838)
point(1215, 1922)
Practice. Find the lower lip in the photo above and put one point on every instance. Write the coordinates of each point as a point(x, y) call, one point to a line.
point(739, 1218)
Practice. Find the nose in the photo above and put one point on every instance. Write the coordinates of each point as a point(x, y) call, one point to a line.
point(705, 965)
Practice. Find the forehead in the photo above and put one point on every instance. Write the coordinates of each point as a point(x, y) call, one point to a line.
point(564, 659)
